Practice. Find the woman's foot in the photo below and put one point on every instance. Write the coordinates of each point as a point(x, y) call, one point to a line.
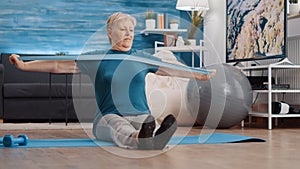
point(145, 136)
point(165, 132)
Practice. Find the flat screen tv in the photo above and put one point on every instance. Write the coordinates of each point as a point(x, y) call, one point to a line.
point(256, 29)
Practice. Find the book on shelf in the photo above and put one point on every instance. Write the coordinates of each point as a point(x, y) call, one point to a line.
point(166, 19)
point(160, 21)
point(170, 40)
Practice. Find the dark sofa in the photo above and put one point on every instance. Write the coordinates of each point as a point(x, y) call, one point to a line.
point(30, 97)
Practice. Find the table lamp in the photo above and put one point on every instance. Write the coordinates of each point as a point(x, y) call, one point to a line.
point(192, 5)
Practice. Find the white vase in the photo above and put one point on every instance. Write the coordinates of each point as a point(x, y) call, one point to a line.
point(294, 9)
point(174, 26)
point(179, 41)
point(150, 23)
point(192, 42)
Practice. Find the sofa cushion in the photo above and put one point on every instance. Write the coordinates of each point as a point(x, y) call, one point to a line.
point(31, 110)
point(37, 90)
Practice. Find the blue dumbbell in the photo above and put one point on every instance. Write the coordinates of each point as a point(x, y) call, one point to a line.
point(1, 140)
point(9, 140)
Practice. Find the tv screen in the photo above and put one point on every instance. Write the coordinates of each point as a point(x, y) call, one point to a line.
point(256, 29)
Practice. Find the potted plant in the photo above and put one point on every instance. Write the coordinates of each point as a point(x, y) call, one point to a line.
point(150, 19)
point(196, 22)
point(293, 7)
point(174, 24)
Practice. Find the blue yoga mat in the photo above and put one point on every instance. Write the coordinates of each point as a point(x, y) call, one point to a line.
point(214, 138)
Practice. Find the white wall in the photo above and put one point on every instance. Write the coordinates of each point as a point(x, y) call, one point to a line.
point(293, 27)
point(215, 32)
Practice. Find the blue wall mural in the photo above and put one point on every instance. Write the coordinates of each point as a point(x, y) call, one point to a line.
point(51, 26)
point(70, 26)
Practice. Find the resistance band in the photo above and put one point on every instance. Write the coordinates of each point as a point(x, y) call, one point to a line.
point(117, 57)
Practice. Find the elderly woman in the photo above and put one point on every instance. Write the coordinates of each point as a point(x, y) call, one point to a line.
point(124, 117)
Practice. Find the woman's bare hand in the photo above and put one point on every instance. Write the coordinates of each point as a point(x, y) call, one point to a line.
point(206, 76)
point(13, 59)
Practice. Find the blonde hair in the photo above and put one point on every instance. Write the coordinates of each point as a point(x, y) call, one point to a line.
point(117, 16)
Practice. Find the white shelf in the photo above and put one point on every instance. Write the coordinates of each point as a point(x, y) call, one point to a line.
point(279, 65)
point(278, 91)
point(183, 48)
point(284, 64)
point(293, 16)
point(162, 31)
point(262, 114)
point(285, 91)
point(261, 67)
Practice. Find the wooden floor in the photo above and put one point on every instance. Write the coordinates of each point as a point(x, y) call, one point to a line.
point(282, 151)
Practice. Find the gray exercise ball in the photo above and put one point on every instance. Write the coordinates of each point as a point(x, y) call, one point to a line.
point(223, 101)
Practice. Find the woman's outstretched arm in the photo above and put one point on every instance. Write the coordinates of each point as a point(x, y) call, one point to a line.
point(53, 66)
point(164, 71)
